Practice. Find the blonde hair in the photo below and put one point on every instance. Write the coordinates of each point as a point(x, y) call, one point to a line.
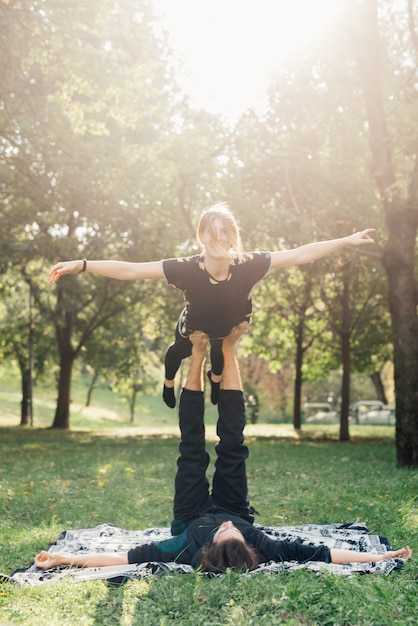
point(221, 211)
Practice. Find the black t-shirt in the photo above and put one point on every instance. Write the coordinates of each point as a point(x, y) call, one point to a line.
point(212, 306)
point(186, 548)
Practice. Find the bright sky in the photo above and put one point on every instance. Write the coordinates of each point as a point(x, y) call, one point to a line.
point(230, 47)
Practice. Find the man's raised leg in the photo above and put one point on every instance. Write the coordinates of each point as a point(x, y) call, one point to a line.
point(191, 485)
point(230, 488)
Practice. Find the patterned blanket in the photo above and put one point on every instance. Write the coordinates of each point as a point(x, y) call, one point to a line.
point(107, 538)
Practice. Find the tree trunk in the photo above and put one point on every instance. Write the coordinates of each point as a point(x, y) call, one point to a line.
point(62, 412)
point(297, 421)
point(398, 260)
point(345, 357)
point(91, 387)
point(132, 402)
point(26, 402)
point(64, 331)
point(402, 223)
point(379, 387)
point(301, 348)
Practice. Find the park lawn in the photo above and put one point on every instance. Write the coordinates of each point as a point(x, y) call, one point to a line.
point(108, 409)
point(51, 481)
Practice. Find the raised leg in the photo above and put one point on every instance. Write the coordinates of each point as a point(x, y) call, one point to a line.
point(191, 485)
point(180, 349)
point(230, 489)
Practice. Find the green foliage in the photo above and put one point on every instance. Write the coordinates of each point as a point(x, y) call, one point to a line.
point(102, 156)
point(50, 481)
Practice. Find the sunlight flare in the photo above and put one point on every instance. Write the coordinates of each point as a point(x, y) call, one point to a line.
point(229, 50)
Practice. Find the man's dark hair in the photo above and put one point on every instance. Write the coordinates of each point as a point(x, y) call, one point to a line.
point(232, 554)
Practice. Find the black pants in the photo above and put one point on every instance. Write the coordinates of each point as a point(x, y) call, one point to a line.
point(181, 349)
point(229, 485)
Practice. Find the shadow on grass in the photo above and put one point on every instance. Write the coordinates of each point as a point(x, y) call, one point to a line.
point(109, 610)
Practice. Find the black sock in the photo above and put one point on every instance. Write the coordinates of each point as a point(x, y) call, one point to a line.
point(169, 397)
point(214, 388)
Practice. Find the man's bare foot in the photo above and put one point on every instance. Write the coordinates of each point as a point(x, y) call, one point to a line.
point(236, 333)
point(200, 341)
point(231, 374)
point(194, 380)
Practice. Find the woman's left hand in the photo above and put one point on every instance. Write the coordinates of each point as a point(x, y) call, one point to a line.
point(357, 239)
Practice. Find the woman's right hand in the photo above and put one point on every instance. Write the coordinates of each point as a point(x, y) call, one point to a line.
point(47, 560)
point(64, 267)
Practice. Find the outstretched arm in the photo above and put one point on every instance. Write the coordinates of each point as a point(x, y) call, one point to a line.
point(121, 270)
point(318, 249)
point(351, 556)
point(47, 560)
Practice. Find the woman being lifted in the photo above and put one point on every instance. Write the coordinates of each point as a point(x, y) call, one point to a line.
point(217, 284)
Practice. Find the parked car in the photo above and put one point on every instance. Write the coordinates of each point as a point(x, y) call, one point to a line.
point(319, 413)
point(373, 412)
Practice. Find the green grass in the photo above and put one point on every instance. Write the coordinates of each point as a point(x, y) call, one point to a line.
point(52, 480)
point(124, 475)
